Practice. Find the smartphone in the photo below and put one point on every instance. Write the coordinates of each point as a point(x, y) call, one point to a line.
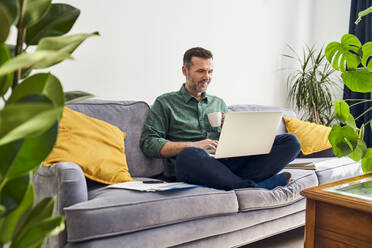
point(152, 181)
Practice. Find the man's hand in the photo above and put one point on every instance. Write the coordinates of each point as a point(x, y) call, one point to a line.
point(171, 148)
point(207, 144)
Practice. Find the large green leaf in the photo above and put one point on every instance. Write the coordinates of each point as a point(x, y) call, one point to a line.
point(60, 44)
point(31, 60)
point(13, 8)
point(31, 232)
point(359, 80)
point(2, 211)
point(43, 210)
point(346, 51)
point(26, 120)
point(343, 140)
point(42, 83)
point(67, 43)
point(33, 151)
point(58, 21)
point(51, 51)
point(35, 236)
point(5, 23)
point(5, 80)
point(359, 151)
point(14, 221)
point(342, 113)
point(8, 154)
point(367, 161)
point(367, 54)
point(33, 11)
point(363, 13)
point(76, 96)
point(13, 192)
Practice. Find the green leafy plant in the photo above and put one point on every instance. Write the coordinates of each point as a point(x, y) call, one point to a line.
point(311, 86)
point(30, 112)
point(352, 59)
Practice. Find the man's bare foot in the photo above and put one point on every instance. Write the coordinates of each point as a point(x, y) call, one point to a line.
point(287, 176)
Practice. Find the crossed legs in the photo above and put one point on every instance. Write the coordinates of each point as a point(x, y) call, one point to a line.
point(194, 165)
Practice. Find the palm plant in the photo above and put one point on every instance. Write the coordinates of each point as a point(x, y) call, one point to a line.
point(311, 87)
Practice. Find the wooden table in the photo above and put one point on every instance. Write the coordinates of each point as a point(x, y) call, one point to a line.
point(335, 220)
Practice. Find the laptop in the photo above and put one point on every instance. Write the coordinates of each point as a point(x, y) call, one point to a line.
point(247, 133)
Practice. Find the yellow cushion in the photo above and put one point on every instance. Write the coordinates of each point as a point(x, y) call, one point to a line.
point(313, 137)
point(95, 145)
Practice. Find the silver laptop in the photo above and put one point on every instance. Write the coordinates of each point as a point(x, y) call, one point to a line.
point(247, 133)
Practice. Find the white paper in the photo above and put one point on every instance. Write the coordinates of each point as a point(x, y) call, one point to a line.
point(151, 187)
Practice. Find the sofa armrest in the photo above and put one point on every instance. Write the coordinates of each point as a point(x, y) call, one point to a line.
point(65, 180)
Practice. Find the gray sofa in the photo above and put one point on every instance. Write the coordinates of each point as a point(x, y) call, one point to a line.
point(199, 217)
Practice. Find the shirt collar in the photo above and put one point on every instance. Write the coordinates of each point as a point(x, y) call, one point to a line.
point(186, 96)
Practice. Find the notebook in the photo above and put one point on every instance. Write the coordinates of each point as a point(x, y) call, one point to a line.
point(247, 133)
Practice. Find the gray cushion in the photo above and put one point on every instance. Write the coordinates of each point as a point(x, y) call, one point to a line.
point(116, 211)
point(129, 116)
point(253, 199)
point(261, 108)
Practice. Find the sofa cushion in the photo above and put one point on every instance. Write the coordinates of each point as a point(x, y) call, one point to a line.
point(116, 211)
point(129, 116)
point(254, 199)
point(195, 233)
point(260, 108)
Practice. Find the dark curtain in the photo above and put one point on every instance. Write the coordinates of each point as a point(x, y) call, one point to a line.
point(363, 30)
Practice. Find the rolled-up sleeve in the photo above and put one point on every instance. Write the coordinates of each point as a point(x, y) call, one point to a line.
point(154, 131)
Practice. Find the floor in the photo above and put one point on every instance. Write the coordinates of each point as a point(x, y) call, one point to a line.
point(290, 239)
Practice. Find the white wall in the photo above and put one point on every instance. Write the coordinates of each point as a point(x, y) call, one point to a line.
point(139, 53)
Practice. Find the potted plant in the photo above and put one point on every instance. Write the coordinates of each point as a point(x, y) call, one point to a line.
point(31, 107)
point(352, 59)
point(311, 88)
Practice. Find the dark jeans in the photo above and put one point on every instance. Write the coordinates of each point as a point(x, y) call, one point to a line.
point(195, 166)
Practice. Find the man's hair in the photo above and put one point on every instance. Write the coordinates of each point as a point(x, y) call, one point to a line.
point(196, 52)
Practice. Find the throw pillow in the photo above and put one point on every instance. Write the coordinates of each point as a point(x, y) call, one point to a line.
point(313, 137)
point(95, 145)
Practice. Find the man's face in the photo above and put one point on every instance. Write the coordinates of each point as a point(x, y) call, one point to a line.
point(199, 75)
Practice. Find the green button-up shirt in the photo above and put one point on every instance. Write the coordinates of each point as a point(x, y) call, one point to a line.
point(178, 116)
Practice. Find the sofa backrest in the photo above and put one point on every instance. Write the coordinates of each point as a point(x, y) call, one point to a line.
point(262, 108)
point(129, 116)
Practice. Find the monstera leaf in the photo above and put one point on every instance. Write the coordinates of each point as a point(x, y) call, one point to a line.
point(359, 80)
point(344, 55)
point(367, 54)
point(342, 113)
point(367, 161)
point(343, 140)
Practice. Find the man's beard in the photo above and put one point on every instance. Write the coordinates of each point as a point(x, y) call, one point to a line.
point(195, 86)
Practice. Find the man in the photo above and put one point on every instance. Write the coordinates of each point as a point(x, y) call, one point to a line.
point(177, 128)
